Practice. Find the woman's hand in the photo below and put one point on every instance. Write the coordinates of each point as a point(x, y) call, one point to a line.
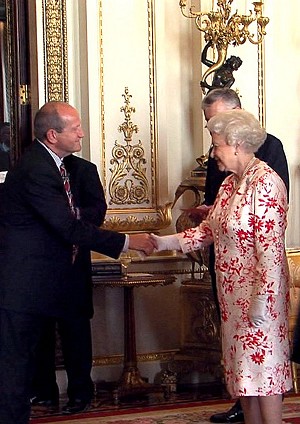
point(258, 310)
point(166, 242)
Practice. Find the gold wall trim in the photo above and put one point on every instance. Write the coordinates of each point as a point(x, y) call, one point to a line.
point(11, 64)
point(261, 83)
point(55, 50)
point(162, 356)
point(139, 220)
point(153, 96)
point(101, 76)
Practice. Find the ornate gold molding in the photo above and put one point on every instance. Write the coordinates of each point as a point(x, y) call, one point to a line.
point(11, 64)
point(261, 83)
point(128, 183)
point(139, 219)
point(55, 50)
point(163, 356)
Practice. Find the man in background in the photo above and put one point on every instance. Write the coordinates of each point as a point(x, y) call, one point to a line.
point(42, 239)
point(271, 152)
point(74, 331)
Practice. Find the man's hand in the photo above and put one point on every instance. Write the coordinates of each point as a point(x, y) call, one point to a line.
point(142, 242)
point(198, 214)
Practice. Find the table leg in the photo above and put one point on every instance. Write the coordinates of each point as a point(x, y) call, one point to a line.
point(131, 382)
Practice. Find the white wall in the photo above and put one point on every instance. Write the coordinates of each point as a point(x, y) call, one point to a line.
point(283, 96)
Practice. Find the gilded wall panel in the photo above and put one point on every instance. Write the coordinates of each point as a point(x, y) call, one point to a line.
point(55, 50)
point(129, 116)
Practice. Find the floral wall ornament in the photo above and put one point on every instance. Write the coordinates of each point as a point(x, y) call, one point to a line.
point(128, 183)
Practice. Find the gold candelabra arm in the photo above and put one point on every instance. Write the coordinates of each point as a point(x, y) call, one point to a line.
point(190, 13)
point(222, 29)
point(232, 29)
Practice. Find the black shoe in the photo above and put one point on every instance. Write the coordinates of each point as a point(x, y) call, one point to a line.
point(49, 403)
point(234, 415)
point(75, 406)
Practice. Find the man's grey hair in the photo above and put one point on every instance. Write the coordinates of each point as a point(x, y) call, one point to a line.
point(226, 95)
point(49, 117)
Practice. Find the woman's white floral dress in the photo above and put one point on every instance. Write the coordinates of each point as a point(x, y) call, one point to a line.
point(247, 224)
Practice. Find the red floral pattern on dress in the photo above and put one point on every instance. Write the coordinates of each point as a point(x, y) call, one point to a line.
point(247, 225)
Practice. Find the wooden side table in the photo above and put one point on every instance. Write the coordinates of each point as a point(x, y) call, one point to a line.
point(131, 382)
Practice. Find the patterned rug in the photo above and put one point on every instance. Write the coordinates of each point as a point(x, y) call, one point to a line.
point(193, 413)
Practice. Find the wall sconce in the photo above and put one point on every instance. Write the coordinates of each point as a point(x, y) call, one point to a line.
point(222, 29)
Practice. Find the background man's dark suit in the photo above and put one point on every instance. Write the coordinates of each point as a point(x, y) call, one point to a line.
point(36, 269)
point(75, 330)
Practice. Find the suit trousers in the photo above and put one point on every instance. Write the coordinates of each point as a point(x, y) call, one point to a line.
point(44, 382)
point(19, 335)
point(76, 344)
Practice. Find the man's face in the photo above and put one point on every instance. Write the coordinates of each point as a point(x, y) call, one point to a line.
point(216, 107)
point(69, 140)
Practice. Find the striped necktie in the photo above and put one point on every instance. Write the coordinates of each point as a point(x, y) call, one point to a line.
point(67, 186)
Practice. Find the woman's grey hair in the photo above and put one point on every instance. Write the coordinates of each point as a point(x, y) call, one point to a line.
point(238, 128)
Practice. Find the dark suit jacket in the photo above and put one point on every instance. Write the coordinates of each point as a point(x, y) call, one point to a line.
point(270, 152)
point(4, 161)
point(4, 166)
point(40, 231)
point(89, 197)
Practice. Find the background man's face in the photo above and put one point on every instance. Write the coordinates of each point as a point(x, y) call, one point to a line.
point(216, 107)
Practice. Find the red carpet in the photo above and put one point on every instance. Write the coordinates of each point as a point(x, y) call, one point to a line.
point(191, 413)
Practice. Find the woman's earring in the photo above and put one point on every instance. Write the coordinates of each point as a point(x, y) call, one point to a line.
point(236, 153)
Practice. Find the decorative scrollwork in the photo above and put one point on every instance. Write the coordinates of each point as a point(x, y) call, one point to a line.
point(128, 183)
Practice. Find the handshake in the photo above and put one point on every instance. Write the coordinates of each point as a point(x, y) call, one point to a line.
point(148, 243)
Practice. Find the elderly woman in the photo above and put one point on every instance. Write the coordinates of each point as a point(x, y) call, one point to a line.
point(247, 225)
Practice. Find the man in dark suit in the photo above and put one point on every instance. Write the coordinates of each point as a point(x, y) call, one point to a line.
point(271, 152)
point(4, 163)
point(42, 235)
point(75, 331)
